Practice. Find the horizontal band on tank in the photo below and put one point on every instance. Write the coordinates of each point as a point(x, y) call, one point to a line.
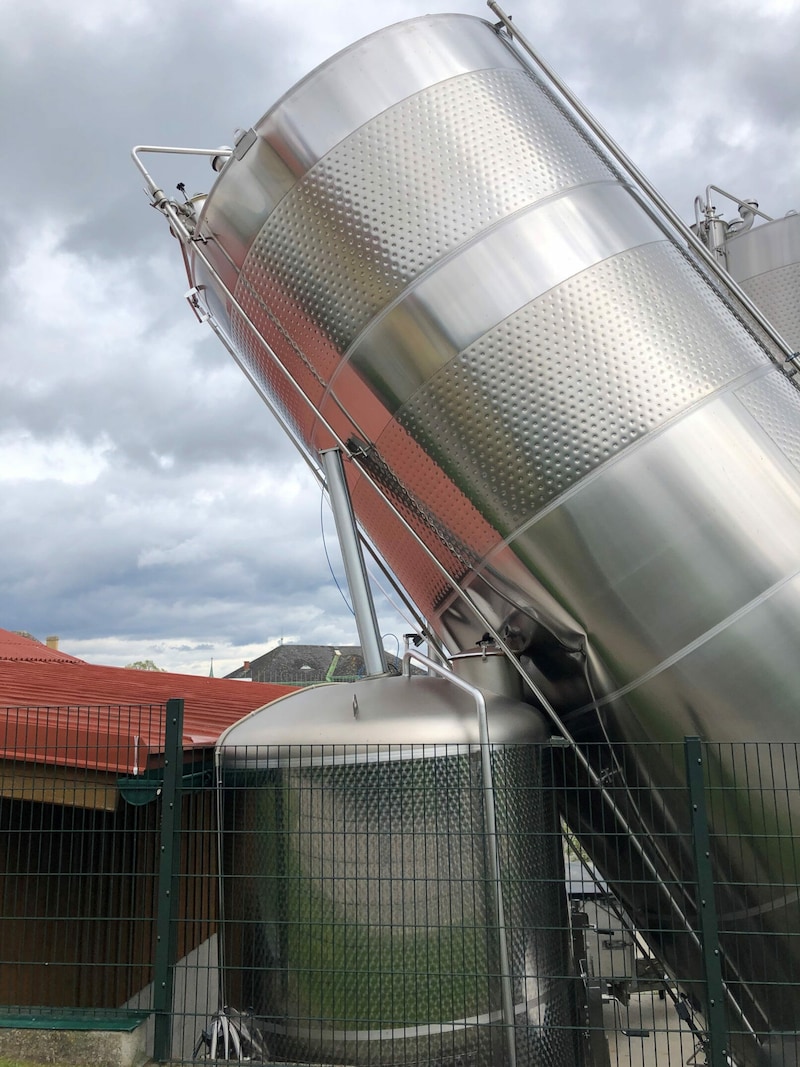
point(264, 757)
point(764, 248)
point(402, 1032)
point(373, 75)
point(750, 378)
point(686, 652)
point(334, 101)
point(483, 282)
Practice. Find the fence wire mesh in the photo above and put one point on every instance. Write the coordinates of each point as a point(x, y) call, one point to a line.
point(348, 905)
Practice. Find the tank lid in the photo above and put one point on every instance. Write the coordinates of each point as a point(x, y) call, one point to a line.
point(373, 720)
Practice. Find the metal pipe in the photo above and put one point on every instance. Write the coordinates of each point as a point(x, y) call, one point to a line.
point(185, 237)
point(167, 150)
point(677, 222)
point(507, 990)
point(363, 605)
point(318, 476)
point(741, 203)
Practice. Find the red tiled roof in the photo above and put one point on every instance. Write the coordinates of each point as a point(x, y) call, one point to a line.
point(108, 718)
point(18, 647)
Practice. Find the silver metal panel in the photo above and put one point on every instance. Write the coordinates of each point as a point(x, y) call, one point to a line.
point(766, 262)
point(359, 913)
point(777, 294)
point(490, 278)
point(767, 246)
point(375, 718)
point(771, 402)
point(649, 560)
point(546, 397)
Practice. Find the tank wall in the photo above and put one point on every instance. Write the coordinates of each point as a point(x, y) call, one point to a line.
point(766, 262)
point(360, 919)
point(555, 398)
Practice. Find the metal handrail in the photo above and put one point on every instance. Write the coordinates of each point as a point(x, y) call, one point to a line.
point(506, 986)
point(642, 183)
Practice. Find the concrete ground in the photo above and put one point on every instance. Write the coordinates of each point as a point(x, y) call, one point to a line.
point(647, 1032)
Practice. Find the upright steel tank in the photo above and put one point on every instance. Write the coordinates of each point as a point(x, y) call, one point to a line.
point(761, 253)
point(389, 897)
point(558, 426)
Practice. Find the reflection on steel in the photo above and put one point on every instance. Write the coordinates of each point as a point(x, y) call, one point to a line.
point(396, 861)
point(763, 257)
point(560, 427)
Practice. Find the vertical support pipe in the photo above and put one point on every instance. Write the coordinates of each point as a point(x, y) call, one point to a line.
point(706, 907)
point(363, 605)
point(492, 842)
point(168, 868)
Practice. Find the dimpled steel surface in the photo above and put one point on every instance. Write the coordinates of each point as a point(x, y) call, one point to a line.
point(777, 294)
point(605, 458)
point(359, 919)
point(582, 394)
point(766, 262)
point(400, 193)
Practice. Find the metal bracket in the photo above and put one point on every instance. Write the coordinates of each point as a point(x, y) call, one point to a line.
point(193, 299)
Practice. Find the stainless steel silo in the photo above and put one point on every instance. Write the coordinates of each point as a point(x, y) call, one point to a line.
point(360, 902)
point(761, 253)
point(765, 261)
point(552, 414)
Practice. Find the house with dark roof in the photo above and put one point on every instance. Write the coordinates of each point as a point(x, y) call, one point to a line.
point(307, 665)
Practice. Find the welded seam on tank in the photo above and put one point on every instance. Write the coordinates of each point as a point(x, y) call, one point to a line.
point(358, 752)
point(417, 1030)
point(698, 642)
point(739, 382)
point(634, 231)
point(479, 49)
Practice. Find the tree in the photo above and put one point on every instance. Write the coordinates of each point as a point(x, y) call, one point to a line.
point(143, 665)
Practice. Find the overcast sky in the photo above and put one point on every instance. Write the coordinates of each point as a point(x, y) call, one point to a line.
point(149, 507)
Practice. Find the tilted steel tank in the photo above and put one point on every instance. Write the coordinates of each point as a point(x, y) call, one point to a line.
point(558, 425)
point(364, 919)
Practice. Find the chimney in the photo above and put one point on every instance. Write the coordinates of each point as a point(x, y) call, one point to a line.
point(246, 665)
point(52, 642)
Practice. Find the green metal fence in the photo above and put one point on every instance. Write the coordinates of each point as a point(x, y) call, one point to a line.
point(342, 907)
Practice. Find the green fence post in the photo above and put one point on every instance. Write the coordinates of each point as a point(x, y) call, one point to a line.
point(168, 875)
point(706, 907)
